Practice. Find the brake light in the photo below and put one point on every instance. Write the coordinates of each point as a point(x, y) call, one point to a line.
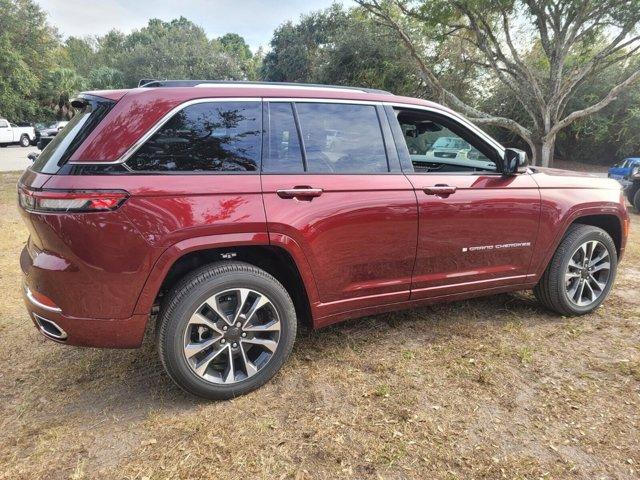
point(70, 200)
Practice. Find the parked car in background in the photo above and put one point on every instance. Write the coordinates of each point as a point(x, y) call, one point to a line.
point(52, 129)
point(621, 171)
point(633, 189)
point(10, 133)
point(47, 132)
point(228, 213)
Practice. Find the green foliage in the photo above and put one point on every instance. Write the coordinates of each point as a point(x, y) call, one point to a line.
point(340, 47)
point(105, 78)
point(27, 46)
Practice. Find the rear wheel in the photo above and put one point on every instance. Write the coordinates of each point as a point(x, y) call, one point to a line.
point(636, 200)
point(581, 272)
point(631, 192)
point(225, 330)
point(24, 141)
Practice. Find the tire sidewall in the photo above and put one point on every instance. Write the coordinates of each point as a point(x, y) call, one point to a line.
point(24, 143)
point(606, 240)
point(636, 200)
point(173, 340)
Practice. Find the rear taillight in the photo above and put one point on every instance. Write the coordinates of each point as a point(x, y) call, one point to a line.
point(70, 200)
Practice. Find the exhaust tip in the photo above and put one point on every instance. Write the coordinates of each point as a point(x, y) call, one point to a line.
point(50, 329)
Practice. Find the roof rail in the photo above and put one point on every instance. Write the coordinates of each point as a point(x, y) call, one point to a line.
point(150, 83)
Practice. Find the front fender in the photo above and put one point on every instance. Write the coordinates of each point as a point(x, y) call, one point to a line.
point(554, 224)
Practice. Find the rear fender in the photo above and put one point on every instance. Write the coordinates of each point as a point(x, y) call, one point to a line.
point(175, 252)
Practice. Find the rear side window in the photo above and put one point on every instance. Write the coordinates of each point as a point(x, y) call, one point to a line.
point(283, 153)
point(67, 141)
point(211, 136)
point(342, 138)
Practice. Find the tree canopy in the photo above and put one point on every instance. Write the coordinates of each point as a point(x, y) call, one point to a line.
point(540, 74)
point(542, 51)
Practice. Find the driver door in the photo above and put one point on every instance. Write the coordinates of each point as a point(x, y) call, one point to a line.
point(477, 228)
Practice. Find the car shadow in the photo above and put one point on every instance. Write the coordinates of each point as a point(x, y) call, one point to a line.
point(128, 385)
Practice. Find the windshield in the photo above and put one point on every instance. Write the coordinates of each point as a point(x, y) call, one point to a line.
point(60, 149)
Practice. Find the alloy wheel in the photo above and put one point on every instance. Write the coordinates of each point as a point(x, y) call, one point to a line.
point(232, 336)
point(587, 273)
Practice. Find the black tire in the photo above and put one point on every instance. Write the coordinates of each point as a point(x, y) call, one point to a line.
point(24, 141)
point(631, 192)
point(189, 294)
point(636, 200)
point(551, 291)
point(3, 145)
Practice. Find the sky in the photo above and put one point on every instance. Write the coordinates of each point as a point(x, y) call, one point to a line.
point(254, 20)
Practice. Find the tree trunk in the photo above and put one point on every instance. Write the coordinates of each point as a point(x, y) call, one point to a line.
point(543, 150)
point(547, 150)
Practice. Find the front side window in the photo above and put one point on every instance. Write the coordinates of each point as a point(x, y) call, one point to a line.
point(439, 146)
point(4, 124)
point(211, 136)
point(342, 138)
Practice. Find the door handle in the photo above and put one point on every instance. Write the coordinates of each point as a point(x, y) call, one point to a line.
point(439, 190)
point(305, 193)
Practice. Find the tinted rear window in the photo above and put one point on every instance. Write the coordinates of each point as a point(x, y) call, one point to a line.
point(211, 136)
point(342, 138)
point(67, 141)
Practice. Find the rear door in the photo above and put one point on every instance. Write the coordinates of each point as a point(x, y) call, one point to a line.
point(477, 228)
point(332, 183)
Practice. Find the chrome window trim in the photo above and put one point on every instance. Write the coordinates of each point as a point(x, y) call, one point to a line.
point(165, 118)
point(160, 123)
point(457, 118)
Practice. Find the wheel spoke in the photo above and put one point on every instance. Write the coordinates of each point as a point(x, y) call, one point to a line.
point(569, 275)
point(602, 266)
point(573, 264)
point(600, 285)
point(273, 326)
point(230, 374)
point(270, 345)
point(599, 258)
point(243, 295)
point(192, 349)
point(259, 302)
point(579, 291)
point(212, 303)
point(199, 319)
point(249, 367)
point(592, 294)
point(201, 367)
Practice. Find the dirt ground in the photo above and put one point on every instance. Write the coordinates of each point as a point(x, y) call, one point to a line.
point(487, 388)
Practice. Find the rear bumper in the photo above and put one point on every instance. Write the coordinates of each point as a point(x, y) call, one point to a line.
point(86, 332)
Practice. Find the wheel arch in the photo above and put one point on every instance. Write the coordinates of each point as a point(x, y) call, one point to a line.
point(609, 219)
point(278, 259)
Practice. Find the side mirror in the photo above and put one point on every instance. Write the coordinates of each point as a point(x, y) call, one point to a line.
point(514, 161)
point(33, 156)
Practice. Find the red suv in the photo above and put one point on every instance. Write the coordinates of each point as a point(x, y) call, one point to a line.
point(230, 212)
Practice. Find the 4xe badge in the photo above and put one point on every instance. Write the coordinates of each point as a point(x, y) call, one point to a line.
point(501, 246)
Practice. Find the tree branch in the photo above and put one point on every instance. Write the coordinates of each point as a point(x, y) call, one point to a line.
point(611, 96)
point(442, 94)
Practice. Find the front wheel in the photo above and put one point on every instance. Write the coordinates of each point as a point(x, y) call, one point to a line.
point(581, 272)
point(636, 200)
point(225, 330)
point(24, 141)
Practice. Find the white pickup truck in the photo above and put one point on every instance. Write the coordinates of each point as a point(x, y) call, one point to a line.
point(11, 133)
